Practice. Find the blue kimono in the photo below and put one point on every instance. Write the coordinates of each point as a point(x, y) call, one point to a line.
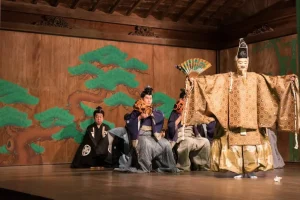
point(153, 152)
point(192, 149)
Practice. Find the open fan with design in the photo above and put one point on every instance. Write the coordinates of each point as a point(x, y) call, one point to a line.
point(193, 67)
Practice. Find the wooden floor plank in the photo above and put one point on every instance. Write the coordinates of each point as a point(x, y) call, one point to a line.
point(61, 182)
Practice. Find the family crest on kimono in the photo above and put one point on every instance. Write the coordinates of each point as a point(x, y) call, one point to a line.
point(97, 149)
point(191, 148)
point(244, 104)
point(144, 130)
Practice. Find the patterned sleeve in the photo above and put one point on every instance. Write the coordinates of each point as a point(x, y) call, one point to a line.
point(285, 100)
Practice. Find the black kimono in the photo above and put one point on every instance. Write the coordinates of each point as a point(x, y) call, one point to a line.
point(93, 150)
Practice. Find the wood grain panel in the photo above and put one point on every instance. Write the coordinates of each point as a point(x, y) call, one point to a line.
point(39, 63)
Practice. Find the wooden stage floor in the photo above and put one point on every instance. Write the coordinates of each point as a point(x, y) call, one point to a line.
point(61, 182)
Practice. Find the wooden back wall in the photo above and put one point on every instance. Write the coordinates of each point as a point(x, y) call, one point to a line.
point(49, 86)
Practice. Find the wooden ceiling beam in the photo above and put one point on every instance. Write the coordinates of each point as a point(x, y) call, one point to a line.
point(280, 16)
point(233, 41)
point(113, 8)
point(190, 4)
point(95, 6)
point(236, 4)
point(81, 14)
point(201, 11)
point(153, 7)
point(74, 4)
point(169, 9)
point(222, 10)
point(135, 5)
point(54, 3)
point(273, 13)
point(96, 34)
point(221, 7)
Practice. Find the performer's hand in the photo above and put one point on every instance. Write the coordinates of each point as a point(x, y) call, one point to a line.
point(163, 133)
point(134, 143)
point(293, 78)
point(191, 79)
point(178, 120)
point(144, 115)
point(172, 143)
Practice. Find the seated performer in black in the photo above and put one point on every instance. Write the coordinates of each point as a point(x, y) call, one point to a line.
point(95, 150)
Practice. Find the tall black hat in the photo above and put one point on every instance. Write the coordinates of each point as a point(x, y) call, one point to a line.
point(242, 49)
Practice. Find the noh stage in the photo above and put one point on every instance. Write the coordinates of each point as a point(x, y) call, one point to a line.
point(60, 59)
point(61, 182)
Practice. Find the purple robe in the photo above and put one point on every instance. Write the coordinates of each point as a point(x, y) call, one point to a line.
point(156, 121)
point(173, 129)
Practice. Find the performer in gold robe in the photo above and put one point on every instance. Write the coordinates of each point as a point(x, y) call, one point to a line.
point(244, 104)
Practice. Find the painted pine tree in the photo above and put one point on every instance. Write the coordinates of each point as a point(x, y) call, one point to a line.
point(14, 121)
point(11, 117)
point(11, 93)
point(164, 102)
point(59, 117)
point(103, 70)
point(118, 72)
point(287, 63)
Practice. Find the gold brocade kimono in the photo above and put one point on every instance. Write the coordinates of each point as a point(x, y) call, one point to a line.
point(243, 108)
